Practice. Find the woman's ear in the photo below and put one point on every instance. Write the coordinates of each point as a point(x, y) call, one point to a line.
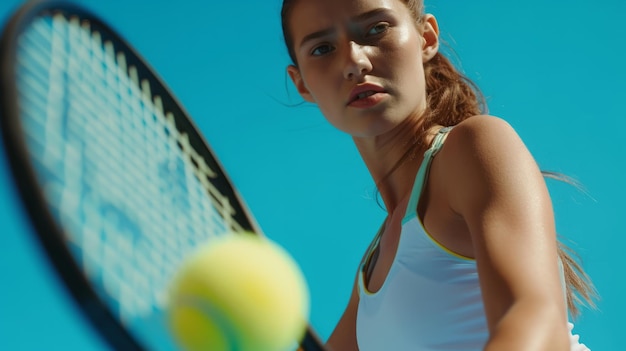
point(430, 34)
point(296, 78)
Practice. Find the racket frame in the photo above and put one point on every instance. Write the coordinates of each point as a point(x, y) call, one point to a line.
point(46, 227)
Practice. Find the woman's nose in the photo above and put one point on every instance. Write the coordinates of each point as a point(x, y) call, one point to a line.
point(358, 62)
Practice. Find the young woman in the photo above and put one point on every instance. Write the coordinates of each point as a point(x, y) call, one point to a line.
point(467, 258)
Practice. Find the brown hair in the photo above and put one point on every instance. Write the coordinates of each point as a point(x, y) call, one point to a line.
point(452, 98)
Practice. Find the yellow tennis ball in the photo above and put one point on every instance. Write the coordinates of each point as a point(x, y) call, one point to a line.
point(239, 292)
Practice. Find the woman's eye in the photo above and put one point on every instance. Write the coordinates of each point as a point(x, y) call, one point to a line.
point(378, 28)
point(321, 50)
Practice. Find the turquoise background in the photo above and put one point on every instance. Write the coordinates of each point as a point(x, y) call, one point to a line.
point(555, 70)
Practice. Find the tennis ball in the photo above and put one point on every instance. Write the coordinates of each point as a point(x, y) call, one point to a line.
point(238, 292)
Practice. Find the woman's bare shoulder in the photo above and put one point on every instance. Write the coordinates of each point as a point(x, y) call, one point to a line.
point(483, 135)
point(485, 156)
point(483, 128)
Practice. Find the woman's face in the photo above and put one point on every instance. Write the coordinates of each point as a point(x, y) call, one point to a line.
point(361, 61)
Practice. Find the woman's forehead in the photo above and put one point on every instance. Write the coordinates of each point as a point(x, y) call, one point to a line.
point(313, 15)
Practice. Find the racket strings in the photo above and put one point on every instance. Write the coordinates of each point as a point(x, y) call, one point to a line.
point(131, 193)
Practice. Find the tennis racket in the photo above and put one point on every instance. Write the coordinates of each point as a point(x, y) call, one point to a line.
point(118, 182)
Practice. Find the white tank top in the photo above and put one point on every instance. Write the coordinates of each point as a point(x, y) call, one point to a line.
point(431, 298)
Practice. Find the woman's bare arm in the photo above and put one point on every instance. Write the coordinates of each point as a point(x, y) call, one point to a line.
point(343, 337)
point(497, 188)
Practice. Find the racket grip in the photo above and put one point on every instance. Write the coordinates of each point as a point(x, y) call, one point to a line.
point(311, 342)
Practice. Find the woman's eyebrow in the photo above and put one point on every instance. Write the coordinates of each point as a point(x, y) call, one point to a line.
point(316, 35)
point(358, 18)
point(369, 14)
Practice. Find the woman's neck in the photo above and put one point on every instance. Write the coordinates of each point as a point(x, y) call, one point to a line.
point(393, 160)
